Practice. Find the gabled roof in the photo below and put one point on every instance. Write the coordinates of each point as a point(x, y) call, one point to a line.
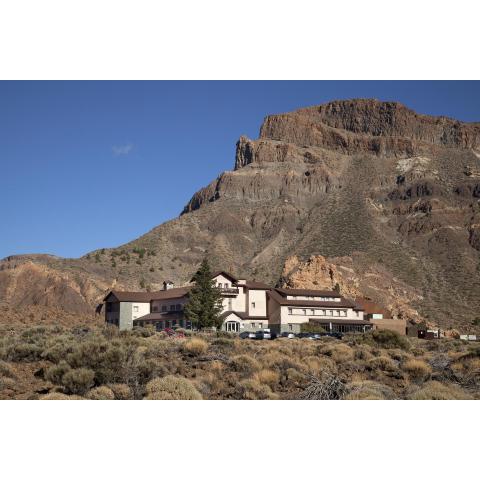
point(225, 274)
point(308, 292)
point(221, 272)
point(241, 315)
point(283, 300)
point(129, 296)
point(161, 316)
point(147, 297)
point(171, 293)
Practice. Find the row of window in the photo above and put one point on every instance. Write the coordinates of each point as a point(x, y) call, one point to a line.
point(312, 297)
point(165, 308)
point(312, 311)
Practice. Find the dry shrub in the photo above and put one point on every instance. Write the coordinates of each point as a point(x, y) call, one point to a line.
point(387, 339)
point(172, 388)
point(121, 391)
point(327, 387)
point(78, 380)
point(60, 396)
point(278, 360)
point(417, 369)
point(338, 352)
point(317, 365)
point(6, 370)
point(101, 393)
point(368, 390)
point(467, 371)
point(7, 382)
point(216, 367)
point(294, 378)
point(267, 377)
point(398, 354)
point(195, 346)
point(245, 364)
point(439, 391)
point(251, 389)
point(363, 352)
point(56, 372)
point(383, 363)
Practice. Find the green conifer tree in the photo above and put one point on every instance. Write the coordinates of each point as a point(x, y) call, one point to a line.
point(204, 305)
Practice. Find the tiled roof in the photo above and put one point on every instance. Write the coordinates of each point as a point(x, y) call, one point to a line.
point(146, 297)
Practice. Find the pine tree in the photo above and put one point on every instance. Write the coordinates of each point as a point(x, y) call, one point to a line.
point(204, 305)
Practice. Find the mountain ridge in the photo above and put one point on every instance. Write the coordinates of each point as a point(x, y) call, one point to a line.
point(392, 192)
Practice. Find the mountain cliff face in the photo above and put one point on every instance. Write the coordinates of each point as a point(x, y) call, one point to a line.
point(392, 194)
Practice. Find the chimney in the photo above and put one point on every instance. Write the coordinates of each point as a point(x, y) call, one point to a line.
point(168, 284)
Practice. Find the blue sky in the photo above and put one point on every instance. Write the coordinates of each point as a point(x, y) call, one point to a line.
point(87, 165)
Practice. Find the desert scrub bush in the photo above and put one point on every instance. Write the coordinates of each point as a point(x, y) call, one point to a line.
point(6, 370)
point(78, 380)
point(327, 387)
point(60, 396)
point(368, 390)
point(417, 369)
point(24, 352)
point(340, 352)
point(227, 343)
point(195, 346)
point(438, 391)
point(244, 364)
point(467, 371)
point(58, 348)
point(7, 382)
point(293, 378)
point(316, 365)
point(100, 393)
point(252, 389)
point(171, 388)
point(383, 363)
point(267, 377)
point(384, 339)
point(56, 372)
point(363, 352)
point(121, 391)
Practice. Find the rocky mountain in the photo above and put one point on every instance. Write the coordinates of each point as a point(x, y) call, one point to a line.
point(372, 187)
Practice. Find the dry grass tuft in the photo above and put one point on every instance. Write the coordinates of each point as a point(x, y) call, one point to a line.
point(439, 391)
point(100, 393)
point(339, 352)
point(252, 389)
point(417, 369)
point(383, 363)
point(368, 390)
point(267, 377)
point(172, 388)
point(121, 391)
point(195, 346)
point(245, 364)
point(60, 396)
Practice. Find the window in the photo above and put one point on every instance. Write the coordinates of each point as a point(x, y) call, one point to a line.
point(304, 311)
point(226, 285)
point(172, 308)
point(178, 306)
point(135, 308)
point(260, 325)
point(253, 324)
point(290, 326)
point(312, 311)
point(164, 308)
point(253, 304)
point(289, 311)
point(155, 309)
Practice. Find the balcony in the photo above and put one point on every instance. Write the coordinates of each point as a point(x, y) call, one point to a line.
point(228, 291)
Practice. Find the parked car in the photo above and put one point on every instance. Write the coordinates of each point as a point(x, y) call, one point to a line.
point(244, 335)
point(287, 335)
